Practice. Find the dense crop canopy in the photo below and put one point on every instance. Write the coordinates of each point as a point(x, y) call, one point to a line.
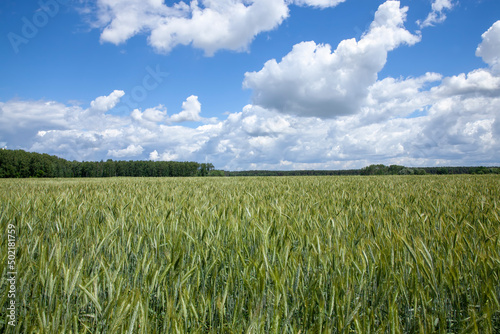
point(393, 254)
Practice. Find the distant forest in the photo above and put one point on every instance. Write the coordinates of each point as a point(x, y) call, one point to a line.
point(375, 170)
point(22, 164)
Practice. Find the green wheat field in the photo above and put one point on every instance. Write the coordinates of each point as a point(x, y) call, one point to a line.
point(384, 254)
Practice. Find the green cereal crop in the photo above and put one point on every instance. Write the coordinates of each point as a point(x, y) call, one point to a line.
point(390, 254)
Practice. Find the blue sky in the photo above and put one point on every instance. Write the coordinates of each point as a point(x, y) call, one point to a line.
point(253, 84)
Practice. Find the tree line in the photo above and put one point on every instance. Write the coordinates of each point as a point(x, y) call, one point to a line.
point(374, 170)
point(402, 170)
point(22, 164)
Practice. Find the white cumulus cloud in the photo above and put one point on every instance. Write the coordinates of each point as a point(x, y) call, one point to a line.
point(154, 155)
point(478, 82)
point(20, 121)
point(105, 103)
point(130, 151)
point(318, 3)
point(489, 49)
point(314, 81)
point(191, 109)
point(437, 15)
point(150, 115)
point(218, 25)
point(210, 25)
